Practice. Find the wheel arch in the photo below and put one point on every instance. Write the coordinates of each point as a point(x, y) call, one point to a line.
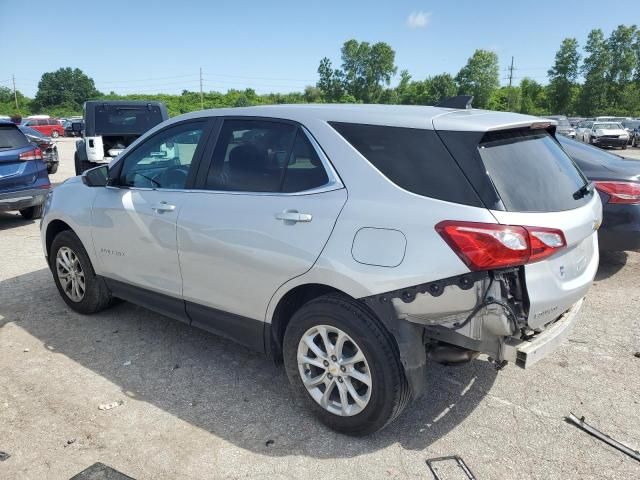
point(54, 227)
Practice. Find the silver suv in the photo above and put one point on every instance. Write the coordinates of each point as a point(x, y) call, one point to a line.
point(357, 243)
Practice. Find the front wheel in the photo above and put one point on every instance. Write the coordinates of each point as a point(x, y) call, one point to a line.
point(78, 285)
point(345, 365)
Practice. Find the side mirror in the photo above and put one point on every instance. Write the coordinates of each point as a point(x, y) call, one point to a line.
point(76, 127)
point(96, 177)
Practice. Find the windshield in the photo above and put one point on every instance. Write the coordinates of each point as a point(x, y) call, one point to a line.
point(607, 126)
point(126, 120)
point(11, 137)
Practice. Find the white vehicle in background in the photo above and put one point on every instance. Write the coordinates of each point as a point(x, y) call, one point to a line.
point(604, 134)
point(355, 242)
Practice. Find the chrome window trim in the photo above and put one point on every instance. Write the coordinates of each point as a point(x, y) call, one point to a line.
point(334, 182)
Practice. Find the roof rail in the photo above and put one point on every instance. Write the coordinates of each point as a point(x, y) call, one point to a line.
point(459, 101)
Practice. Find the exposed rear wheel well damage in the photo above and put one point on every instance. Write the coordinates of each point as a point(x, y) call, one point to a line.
point(53, 229)
point(287, 306)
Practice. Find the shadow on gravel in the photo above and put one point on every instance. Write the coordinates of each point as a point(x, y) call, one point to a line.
point(221, 387)
point(610, 264)
point(12, 220)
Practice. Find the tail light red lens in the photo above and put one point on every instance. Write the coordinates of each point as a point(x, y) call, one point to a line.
point(35, 154)
point(487, 246)
point(621, 192)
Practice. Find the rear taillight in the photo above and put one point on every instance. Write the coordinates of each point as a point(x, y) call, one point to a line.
point(35, 154)
point(487, 246)
point(621, 192)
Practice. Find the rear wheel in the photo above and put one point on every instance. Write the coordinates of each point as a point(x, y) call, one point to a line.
point(52, 169)
point(31, 213)
point(55, 134)
point(77, 282)
point(345, 365)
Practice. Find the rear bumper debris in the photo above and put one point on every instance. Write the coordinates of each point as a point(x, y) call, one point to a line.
point(525, 353)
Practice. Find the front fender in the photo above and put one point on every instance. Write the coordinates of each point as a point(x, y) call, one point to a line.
point(72, 204)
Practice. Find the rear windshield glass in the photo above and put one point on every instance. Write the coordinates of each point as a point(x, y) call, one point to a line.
point(11, 137)
point(414, 159)
point(126, 120)
point(530, 172)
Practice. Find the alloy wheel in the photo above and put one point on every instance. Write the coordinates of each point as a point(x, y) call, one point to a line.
point(70, 274)
point(334, 370)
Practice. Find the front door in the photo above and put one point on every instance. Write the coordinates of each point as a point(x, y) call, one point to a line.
point(134, 223)
point(271, 204)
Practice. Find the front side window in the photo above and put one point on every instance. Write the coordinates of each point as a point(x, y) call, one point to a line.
point(264, 156)
point(164, 160)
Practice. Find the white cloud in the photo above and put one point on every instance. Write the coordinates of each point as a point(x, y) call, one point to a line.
point(418, 19)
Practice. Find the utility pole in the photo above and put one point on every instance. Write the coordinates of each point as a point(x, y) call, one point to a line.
point(15, 95)
point(511, 73)
point(201, 97)
point(510, 85)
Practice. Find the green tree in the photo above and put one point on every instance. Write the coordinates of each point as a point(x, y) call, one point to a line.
point(563, 76)
point(442, 86)
point(479, 77)
point(366, 70)
point(533, 97)
point(622, 63)
point(595, 67)
point(66, 87)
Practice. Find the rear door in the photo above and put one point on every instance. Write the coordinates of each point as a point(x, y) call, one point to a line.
point(15, 174)
point(266, 205)
point(526, 179)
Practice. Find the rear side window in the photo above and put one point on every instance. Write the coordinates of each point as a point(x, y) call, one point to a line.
point(264, 156)
point(530, 172)
point(11, 137)
point(414, 159)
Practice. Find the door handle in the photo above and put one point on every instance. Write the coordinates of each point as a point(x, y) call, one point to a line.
point(163, 207)
point(293, 216)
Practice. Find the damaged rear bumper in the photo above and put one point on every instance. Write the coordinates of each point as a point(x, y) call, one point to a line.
point(525, 353)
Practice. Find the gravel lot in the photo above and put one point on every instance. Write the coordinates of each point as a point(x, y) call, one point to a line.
point(195, 406)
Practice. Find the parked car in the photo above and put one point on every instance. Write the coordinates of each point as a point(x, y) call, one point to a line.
point(111, 126)
point(603, 134)
point(632, 127)
point(47, 146)
point(24, 182)
point(563, 126)
point(618, 182)
point(69, 130)
point(48, 126)
point(462, 232)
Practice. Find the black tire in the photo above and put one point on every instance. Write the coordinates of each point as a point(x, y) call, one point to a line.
point(55, 134)
point(624, 147)
point(52, 169)
point(96, 296)
point(32, 213)
point(390, 391)
point(81, 165)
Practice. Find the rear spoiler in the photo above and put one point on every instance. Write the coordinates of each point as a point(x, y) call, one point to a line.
point(459, 101)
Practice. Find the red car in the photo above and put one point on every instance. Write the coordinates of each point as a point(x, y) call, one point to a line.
point(48, 126)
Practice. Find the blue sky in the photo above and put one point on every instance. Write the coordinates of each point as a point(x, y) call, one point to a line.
point(144, 46)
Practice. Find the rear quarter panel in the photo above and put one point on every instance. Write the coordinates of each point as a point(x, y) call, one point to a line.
point(376, 202)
